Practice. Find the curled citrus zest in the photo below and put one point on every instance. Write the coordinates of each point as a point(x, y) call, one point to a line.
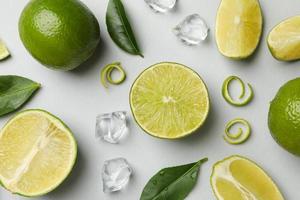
point(226, 93)
point(240, 136)
point(106, 74)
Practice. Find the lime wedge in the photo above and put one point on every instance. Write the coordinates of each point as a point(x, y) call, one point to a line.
point(37, 152)
point(4, 53)
point(169, 100)
point(236, 178)
point(238, 27)
point(284, 41)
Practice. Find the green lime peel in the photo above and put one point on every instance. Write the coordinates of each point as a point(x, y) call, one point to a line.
point(240, 136)
point(227, 96)
point(106, 74)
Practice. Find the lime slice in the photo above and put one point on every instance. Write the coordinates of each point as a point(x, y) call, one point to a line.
point(236, 178)
point(37, 152)
point(238, 27)
point(4, 53)
point(169, 100)
point(284, 41)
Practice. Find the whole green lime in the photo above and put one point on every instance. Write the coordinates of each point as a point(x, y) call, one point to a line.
point(284, 116)
point(61, 34)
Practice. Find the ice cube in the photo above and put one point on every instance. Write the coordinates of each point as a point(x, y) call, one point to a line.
point(192, 30)
point(111, 127)
point(116, 174)
point(161, 6)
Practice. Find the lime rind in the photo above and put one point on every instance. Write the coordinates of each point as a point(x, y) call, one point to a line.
point(62, 125)
point(106, 74)
point(185, 133)
point(227, 96)
point(240, 136)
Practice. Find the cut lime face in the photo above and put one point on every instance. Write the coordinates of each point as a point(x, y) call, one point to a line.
point(37, 152)
point(284, 41)
point(236, 178)
point(238, 27)
point(169, 100)
point(4, 53)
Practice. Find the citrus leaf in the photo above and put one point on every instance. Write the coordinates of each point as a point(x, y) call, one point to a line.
point(120, 29)
point(14, 92)
point(174, 183)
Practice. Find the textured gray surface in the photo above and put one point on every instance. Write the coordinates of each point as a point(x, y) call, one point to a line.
point(77, 97)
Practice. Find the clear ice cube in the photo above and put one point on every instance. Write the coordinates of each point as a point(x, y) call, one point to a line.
point(192, 30)
point(111, 127)
point(116, 174)
point(161, 6)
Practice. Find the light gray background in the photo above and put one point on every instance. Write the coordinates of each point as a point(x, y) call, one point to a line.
point(77, 97)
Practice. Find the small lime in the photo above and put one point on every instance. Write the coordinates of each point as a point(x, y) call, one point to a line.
point(60, 34)
point(284, 116)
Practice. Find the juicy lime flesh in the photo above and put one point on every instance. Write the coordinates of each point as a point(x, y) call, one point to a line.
point(238, 27)
point(37, 152)
point(237, 178)
point(59, 34)
point(4, 53)
point(284, 116)
point(169, 100)
point(284, 41)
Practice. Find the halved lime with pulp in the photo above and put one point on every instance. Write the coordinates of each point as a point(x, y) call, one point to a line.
point(37, 152)
point(169, 100)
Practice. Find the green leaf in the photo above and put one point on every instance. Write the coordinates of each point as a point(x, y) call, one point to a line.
point(174, 183)
point(14, 92)
point(120, 29)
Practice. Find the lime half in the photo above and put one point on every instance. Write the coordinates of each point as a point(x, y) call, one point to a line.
point(238, 27)
point(237, 178)
point(169, 100)
point(37, 152)
point(4, 53)
point(284, 41)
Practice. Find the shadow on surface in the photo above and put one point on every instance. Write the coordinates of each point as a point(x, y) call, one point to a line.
point(92, 61)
